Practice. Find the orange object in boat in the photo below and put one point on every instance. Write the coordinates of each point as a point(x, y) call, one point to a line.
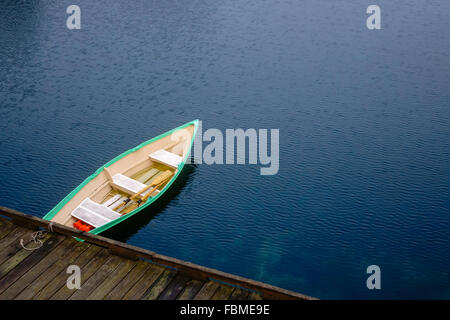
point(77, 225)
point(80, 225)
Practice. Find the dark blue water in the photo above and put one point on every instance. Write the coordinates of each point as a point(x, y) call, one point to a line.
point(364, 119)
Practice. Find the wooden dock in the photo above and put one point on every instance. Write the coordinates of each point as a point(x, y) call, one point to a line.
point(109, 269)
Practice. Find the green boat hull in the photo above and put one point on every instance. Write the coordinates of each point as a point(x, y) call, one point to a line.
point(52, 213)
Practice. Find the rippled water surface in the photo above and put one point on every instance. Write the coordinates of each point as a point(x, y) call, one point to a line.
point(363, 115)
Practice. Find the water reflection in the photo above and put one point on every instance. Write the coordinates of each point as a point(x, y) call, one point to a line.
point(125, 230)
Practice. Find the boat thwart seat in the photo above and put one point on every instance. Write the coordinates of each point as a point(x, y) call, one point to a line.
point(94, 214)
point(168, 158)
point(127, 184)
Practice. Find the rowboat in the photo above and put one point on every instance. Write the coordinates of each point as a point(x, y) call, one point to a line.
point(127, 184)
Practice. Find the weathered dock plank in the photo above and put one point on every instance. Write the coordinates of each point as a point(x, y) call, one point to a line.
point(97, 278)
point(86, 272)
point(128, 281)
point(239, 294)
point(254, 296)
point(149, 277)
point(174, 288)
point(5, 228)
point(113, 279)
point(109, 269)
point(40, 267)
point(52, 272)
point(191, 289)
point(56, 286)
point(11, 243)
point(155, 290)
point(25, 260)
point(222, 293)
point(207, 291)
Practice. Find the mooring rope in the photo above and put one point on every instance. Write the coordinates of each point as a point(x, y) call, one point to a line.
point(37, 236)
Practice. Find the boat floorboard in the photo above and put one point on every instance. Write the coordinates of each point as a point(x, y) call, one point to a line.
point(42, 273)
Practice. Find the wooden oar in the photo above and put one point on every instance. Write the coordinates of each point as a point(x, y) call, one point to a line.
point(132, 197)
point(162, 177)
point(143, 199)
point(139, 201)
